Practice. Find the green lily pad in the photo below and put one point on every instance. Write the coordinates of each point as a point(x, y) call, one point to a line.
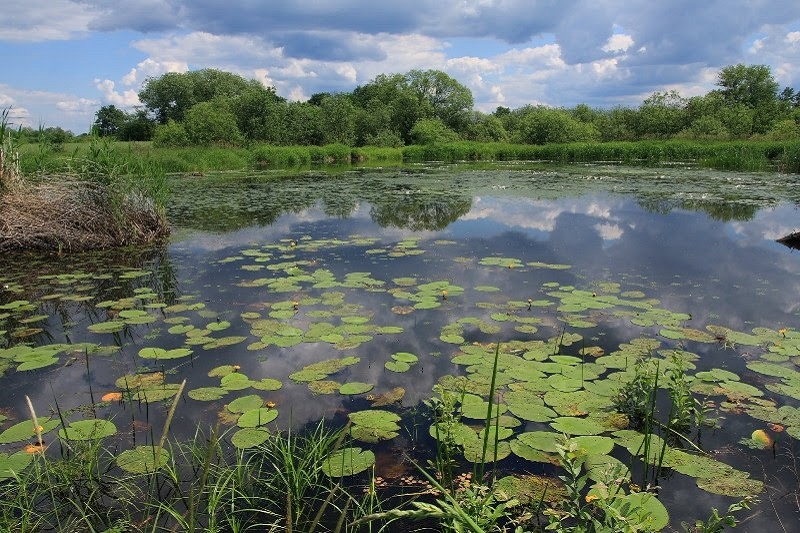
point(88, 430)
point(207, 394)
point(266, 384)
point(348, 462)
point(13, 464)
point(24, 430)
point(530, 489)
point(397, 366)
point(257, 417)
point(577, 426)
point(245, 403)
point(355, 387)
point(738, 485)
point(249, 437)
point(143, 459)
point(643, 508)
point(160, 353)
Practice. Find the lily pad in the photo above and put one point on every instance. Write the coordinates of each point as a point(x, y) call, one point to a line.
point(355, 387)
point(143, 459)
point(249, 437)
point(88, 430)
point(245, 403)
point(257, 417)
point(348, 462)
point(13, 464)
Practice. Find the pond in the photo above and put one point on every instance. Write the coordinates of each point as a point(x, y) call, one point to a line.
point(323, 295)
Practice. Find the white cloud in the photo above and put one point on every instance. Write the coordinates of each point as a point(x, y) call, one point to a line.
point(43, 20)
point(793, 37)
point(150, 68)
point(618, 42)
point(125, 99)
point(77, 105)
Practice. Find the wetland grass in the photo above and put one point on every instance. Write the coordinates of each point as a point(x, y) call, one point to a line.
point(101, 200)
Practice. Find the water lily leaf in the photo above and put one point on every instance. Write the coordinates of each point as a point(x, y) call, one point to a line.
point(601, 467)
point(218, 326)
point(257, 417)
point(348, 462)
point(36, 362)
point(249, 437)
point(397, 366)
point(24, 430)
point(546, 441)
point(245, 403)
point(266, 384)
point(594, 444)
point(738, 485)
point(160, 353)
point(13, 464)
point(522, 450)
point(388, 398)
point(207, 394)
point(112, 326)
point(156, 394)
point(324, 386)
point(642, 508)
point(530, 489)
point(577, 426)
point(88, 430)
point(143, 459)
point(235, 381)
point(223, 342)
point(222, 371)
point(355, 387)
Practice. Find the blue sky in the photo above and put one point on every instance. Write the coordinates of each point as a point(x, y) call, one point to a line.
point(64, 59)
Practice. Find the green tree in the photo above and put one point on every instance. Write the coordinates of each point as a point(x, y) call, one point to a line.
point(338, 120)
point(751, 85)
point(260, 114)
point(171, 95)
point(484, 128)
point(441, 96)
point(171, 134)
point(544, 125)
point(432, 130)
point(108, 120)
point(138, 126)
point(303, 124)
point(211, 123)
point(662, 115)
point(391, 106)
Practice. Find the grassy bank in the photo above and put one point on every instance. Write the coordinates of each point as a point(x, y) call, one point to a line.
point(750, 156)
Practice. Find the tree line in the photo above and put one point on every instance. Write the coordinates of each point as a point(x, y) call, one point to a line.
point(210, 106)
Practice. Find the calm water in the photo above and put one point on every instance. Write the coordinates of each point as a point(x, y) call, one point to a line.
point(265, 264)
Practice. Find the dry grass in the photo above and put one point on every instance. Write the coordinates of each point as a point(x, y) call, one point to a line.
point(63, 213)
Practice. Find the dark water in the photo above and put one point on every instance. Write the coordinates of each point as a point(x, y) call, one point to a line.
point(689, 242)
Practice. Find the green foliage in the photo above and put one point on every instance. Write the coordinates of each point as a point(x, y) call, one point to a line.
point(211, 123)
point(431, 131)
point(172, 134)
point(543, 125)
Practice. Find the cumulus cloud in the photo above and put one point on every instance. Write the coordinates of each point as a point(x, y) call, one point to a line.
point(110, 95)
point(43, 20)
point(599, 52)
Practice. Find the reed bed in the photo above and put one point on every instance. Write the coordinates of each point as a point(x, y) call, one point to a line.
point(67, 214)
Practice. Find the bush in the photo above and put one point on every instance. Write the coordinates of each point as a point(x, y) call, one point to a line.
point(430, 131)
point(172, 134)
point(207, 123)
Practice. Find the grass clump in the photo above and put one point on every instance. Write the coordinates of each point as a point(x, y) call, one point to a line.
point(100, 200)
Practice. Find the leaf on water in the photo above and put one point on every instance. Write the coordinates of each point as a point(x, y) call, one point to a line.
point(88, 430)
point(143, 459)
point(348, 462)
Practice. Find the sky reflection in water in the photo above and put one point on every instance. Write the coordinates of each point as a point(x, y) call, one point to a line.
point(722, 271)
